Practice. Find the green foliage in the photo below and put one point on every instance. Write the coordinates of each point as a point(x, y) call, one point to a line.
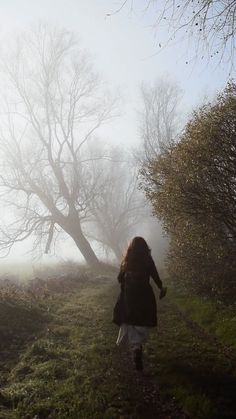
point(192, 187)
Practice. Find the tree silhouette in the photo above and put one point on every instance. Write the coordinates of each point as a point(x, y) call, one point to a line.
point(52, 106)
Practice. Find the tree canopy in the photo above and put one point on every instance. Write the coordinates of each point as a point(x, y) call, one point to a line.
point(57, 176)
point(193, 190)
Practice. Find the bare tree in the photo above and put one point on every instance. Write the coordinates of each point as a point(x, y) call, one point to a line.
point(211, 22)
point(159, 118)
point(119, 206)
point(160, 122)
point(52, 105)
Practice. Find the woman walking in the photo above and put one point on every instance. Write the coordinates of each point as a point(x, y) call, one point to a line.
point(135, 310)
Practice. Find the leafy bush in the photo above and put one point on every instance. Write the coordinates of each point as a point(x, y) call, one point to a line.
point(192, 187)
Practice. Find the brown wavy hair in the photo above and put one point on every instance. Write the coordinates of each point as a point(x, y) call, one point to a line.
point(137, 256)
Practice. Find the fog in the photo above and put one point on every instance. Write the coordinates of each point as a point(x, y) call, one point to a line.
point(117, 139)
point(72, 125)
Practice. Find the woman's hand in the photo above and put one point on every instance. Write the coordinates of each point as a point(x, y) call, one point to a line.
point(163, 292)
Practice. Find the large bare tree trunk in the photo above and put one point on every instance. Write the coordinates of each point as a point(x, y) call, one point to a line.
point(73, 228)
point(85, 248)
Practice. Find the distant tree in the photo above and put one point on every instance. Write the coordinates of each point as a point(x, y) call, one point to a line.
point(192, 187)
point(52, 104)
point(211, 22)
point(120, 205)
point(159, 118)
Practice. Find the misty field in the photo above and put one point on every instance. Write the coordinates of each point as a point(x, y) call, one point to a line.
point(59, 358)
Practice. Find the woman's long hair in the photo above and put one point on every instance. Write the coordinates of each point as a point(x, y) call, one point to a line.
point(137, 256)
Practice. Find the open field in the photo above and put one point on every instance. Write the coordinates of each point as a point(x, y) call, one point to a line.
point(59, 358)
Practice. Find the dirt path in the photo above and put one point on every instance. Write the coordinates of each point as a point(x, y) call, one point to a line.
point(144, 393)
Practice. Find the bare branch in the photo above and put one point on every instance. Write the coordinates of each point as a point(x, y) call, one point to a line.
point(53, 105)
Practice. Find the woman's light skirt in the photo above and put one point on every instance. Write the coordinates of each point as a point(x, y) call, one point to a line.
point(136, 335)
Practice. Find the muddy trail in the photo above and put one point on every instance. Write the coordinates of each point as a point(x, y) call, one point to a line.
point(71, 367)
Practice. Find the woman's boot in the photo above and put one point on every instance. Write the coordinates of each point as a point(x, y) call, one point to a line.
point(138, 359)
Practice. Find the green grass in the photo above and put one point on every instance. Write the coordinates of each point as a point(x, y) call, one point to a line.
point(68, 366)
point(214, 317)
point(67, 372)
point(197, 371)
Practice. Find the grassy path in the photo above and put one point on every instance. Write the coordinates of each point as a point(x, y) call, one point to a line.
point(193, 366)
point(74, 370)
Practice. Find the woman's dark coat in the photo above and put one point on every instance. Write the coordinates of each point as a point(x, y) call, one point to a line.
point(136, 304)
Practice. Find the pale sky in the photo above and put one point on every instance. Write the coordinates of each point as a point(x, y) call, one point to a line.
point(124, 50)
